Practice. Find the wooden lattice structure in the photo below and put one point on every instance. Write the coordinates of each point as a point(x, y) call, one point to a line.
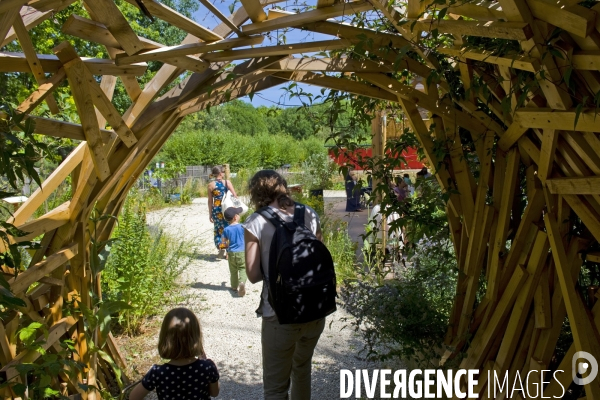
point(548, 139)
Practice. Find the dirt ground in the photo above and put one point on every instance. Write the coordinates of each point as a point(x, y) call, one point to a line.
point(230, 326)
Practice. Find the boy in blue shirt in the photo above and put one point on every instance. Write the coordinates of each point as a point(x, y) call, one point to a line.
point(233, 238)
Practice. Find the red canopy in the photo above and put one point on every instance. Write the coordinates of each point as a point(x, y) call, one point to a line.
point(346, 157)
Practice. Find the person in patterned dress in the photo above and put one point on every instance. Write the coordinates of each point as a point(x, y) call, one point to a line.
point(216, 191)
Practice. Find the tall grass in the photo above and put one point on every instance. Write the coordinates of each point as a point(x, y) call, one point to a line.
point(143, 267)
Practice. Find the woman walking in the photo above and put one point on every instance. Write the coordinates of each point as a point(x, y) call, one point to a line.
point(216, 191)
point(287, 349)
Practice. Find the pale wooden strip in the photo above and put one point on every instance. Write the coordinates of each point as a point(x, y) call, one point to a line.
point(94, 31)
point(46, 223)
point(549, 141)
point(279, 50)
point(179, 20)
point(6, 20)
point(33, 61)
point(7, 5)
point(586, 60)
point(338, 84)
point(166, 53)
point(107, 84)
point(519, 316)
point(319, 14)
point(328, 65)
point(585, 185)
point(484, 338)
point(49, 185)
point(231, 25)
point(517, 62)
point(574, 19)
point(255, 10)
point(107, 12)
point(105, 107)
point(76, 73)
point(34, 273)
point(583, 337)
point(62, 129)
point(17, 62)
point(42, 92)
point(490, 29)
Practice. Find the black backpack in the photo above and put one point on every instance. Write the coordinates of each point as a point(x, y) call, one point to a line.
point(301, 284)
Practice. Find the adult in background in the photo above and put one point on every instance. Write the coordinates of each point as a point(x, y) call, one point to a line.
point(287, 350)
point(216, 191)
point(352, 192)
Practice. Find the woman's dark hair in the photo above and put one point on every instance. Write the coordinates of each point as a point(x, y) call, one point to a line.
point(180, 335)
point(266, 186)
point(216, 170)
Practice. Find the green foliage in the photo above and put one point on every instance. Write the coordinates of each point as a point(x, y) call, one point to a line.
point(142, 268)
point(342, 249)
point(406, 317)
point(318, 171)
point(196, 147)
point(19, 147)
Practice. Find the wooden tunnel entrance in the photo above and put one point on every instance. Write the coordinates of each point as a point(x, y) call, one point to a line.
point(530, 110)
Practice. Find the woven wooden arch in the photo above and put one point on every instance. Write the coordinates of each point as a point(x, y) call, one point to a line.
point(548, 139)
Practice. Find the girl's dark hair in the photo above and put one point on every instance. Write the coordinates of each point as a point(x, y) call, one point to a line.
point(180, 335)
point(266, 186)
point(216, 170)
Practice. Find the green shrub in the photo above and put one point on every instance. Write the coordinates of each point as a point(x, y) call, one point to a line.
point(406, 318)
point(143, 266)
point(341, 247)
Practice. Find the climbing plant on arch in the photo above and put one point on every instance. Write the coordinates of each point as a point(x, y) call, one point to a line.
point(529, 79)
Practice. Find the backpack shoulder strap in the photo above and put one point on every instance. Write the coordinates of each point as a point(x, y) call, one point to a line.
point(271, 216)
point(299, 211)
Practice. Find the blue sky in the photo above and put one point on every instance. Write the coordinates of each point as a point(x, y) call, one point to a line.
point(276, 95)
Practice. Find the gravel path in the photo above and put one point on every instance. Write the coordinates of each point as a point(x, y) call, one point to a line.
point(230, 326)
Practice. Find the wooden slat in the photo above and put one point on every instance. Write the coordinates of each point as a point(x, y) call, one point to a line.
point(267, 51)
point(575, 19)
point(478, 125)
point(338, 84)
point(574, 186)
point(490, 29)
point(319, 14)
point(230, 24)
point(583, 336)
point(33, 61)
point(174, 18)
point(549, 141)
point(49, 185)
point(166, 53)
point(520, 62)
point(7, 5)
point(255, 10)
point(34, 273)
point(328, 65)
point(42, 92)
point(519, 314)
point(586, 60)
point(109, 14)
point(94, 31)
point(48, 222)
point(17, 62)
point(77, 75)
point(7, 18)
point(62, 129)
point(105, 107)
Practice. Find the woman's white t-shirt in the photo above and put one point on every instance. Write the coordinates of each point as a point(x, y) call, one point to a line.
point(263, 230)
